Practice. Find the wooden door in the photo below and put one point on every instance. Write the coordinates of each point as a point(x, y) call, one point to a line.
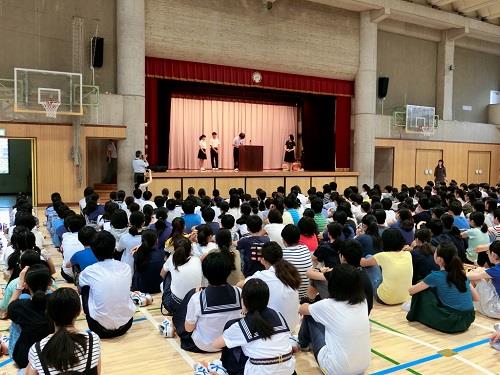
point(425, 162)
point(478, 169)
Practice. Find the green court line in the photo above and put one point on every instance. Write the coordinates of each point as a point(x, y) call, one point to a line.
point(393, 361)
point(387, 327)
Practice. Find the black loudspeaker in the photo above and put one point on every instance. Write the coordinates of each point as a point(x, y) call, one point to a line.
point(96, 52)
point(383, 85)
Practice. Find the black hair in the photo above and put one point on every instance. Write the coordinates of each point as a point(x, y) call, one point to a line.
point(103, 246)
point(137, 193)
point(74, 223)
point(456, 207)
point(119, 219)
point(495, 248)
point(86, 235)
point(136, 223)
point(352, 251)
point(216, 268)
point(227, 221)
point(143, 254)
point(424, 235)
point(208, 214)
point(25, 219)
point(307, 226)
point(234, 201)
point(161, 218)
point(109, 208)
point(170, 204)
point(406, 219)
point(380, 215)
point(147, 195)
point(255, 295)
point(148, 212)
point(393, 240)
point(202, 136)
point(317, 206)
point(182, 252)
point(254, 224)
point(224, 241)
point(275, 216)
point(345, 284)
point(290, 234)
point(120, 195)
point(478, 218)
point(178, 226)
point(308, 213)
point(372, 230)
point(188, 206)
point(204, 233)
point(38, 279)
point(453, 265)
point(285, 271)
point(62, 350)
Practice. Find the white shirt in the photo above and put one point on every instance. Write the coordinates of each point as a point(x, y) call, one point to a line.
point(203, 144)
point(278, 344)
point(198, 251)
point(176, 212)
point(237, 141)
point(126, 244)
point(347, 336)
point(390, 217)
point(139, 165)
point(70, 245)
point(273, 231)
point(282, 298)
point(82, 203)
point(109, 297)
point(214, 143)
point(208, 326)
point(287, 218)
point(300, 257)
point(111, 148)
point(185, 277)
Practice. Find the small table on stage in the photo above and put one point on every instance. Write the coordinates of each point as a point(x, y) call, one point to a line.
point(251, 158)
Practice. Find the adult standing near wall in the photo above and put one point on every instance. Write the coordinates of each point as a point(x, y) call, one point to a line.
point(440, 172)
point(112, 162)
point(290, 151)
point(237, 142)
point(140, 165)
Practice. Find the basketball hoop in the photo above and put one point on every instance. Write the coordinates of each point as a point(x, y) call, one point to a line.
point(51, 107)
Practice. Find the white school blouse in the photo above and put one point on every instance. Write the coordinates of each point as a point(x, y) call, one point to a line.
point(203, 145)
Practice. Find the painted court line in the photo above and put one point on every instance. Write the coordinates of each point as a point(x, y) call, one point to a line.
point(172, 341)
point(432, 357)
point(393, 361)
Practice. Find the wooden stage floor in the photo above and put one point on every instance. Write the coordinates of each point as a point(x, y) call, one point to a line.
point(398, 346)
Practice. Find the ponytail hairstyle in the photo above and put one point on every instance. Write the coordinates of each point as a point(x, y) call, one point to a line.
point(224, 208)
point(254, 205)
point(406, 219)
point(161, 218)
point(136, 223)
point(224, 240)
point(143, 254)
point(478, 219)
point(424, 235)
point(182, 252)
point(453, 265)
point(372, 230)
point(345, 284)
point(148, 212)
point(204, 234)
point(255, 295)
point(178, 225)
point(246, 210)
point(38, 279)
point(62, 350)
point(340, 216)
point(285, 272)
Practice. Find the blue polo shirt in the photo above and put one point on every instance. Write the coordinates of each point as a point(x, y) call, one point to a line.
point(83, 258)
point(447, 293)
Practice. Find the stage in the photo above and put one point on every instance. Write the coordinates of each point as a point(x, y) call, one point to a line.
point(268, 180)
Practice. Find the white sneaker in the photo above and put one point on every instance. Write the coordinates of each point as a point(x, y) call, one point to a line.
point(166, 328)
point(236, 170)
point(406, 306)
point(202, 169)
point(215, 367)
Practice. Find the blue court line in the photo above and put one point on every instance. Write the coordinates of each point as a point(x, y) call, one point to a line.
point(6, 362)
point(432, 357)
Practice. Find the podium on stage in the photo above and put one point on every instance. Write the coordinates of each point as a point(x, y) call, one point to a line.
point(251, 158)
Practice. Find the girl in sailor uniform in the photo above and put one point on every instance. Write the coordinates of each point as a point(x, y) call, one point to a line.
point(258, 343)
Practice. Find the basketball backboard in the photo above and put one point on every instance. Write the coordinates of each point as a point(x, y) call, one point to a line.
point(34, 87)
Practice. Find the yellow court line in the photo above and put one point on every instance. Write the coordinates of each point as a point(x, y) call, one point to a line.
point(436, 348)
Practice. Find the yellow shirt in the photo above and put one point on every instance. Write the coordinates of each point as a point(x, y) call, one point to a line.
point(397, 273)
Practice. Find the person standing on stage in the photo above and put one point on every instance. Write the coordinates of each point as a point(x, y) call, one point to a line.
point(112, 162)
point(140, 165)
point(440, 172)
point(214, 151)
point(290, 151)
point(237, 142)
point(202, 152)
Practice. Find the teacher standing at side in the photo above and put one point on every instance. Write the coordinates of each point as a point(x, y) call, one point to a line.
point(237, 142)
point(140, 165)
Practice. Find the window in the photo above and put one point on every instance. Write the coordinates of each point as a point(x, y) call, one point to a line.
point(4, 156)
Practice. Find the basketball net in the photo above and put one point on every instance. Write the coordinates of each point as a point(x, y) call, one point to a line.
point(51, 107)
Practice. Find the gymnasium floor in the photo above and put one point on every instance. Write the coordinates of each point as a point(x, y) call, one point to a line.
point(397, 346)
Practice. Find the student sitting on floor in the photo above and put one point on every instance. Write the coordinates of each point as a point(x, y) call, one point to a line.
point(337, 328)
point(83, 258)
point(70, 244)
point(283, 281)
point(226, 247)
point(447, 306)
point(258, 343)
point(67, 351)
point(207, 311)
point(477, 235)
point(148, 262)
point(422, 255)
point(397, 269)
point(131, 239)
point(250, 247)
point(105, 290)
point(203, 240)
point(487, 284)
point(27, 312)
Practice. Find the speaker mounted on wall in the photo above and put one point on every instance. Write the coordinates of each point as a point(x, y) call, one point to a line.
point(96, 52)
point(383, 86)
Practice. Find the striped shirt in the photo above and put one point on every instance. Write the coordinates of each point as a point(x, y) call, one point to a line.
point(320, 221)
point(300, 257)
point(494, 232)
point(82, 358)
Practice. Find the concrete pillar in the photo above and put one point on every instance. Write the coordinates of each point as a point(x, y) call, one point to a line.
point(130, 72)
point(365, 101)
point(444, 86)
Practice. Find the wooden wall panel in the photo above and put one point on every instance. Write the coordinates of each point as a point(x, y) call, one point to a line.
point(206, 183)
point(172, 184)
point(345, 182)
point(269, 184)
point(303, 182)
point(226, 183)
point(455, 156)
point(54, 168)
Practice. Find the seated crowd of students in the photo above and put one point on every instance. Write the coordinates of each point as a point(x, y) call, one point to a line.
point(257, 278)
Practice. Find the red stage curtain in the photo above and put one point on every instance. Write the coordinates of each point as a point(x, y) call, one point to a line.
point(343, 132)
point(228, 75)
point(152, 120)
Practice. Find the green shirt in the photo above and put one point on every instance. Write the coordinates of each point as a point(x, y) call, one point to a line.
point(320, 222)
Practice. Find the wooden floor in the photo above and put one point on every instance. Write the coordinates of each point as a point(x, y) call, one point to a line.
point(397, 347)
